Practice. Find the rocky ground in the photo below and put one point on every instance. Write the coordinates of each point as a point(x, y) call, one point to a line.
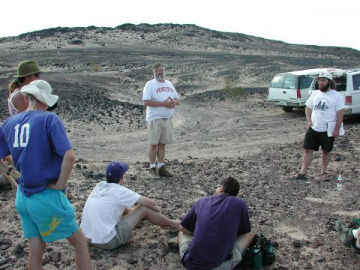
point(298, 216)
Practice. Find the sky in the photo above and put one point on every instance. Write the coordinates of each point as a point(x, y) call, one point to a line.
point(311, 22)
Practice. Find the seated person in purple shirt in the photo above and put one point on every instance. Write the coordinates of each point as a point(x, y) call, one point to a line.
point(216, 230)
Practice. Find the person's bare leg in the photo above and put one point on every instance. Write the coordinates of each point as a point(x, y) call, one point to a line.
point(243, 241)
point(82, 256)
point(153, 149)
point(184, 237)
point(140, 212)
point(161, 153)
point(307, 158)
point(37, 249)
point(325, 159)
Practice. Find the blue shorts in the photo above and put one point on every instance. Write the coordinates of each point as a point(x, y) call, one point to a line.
point(47, 214)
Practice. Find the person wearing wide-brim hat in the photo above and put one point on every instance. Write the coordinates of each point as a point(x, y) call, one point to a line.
point(27, 72)
point(38, 143)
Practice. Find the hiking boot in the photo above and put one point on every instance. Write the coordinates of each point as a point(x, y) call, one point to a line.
point(164, 172)
point(154, 173)
point(354, 249)
point(345, 233)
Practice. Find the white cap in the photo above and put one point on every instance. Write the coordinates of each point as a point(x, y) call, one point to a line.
point(41, 90)
point(325, 74)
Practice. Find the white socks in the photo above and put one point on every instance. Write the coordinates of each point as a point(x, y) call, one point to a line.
point(153, 165)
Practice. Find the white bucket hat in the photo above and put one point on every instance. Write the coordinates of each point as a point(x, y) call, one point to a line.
point(41, 90)
point(325, 74)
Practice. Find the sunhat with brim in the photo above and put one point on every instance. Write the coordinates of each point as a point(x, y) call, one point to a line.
point(325, 74)
point(27, 68)
point(41, 90)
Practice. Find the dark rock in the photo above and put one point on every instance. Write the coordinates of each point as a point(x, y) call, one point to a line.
point(18, 250)
point(131, 260)
point(173, 243)
point(5, 261)
point(297, 244)
point(55, 256)
point(5, 244)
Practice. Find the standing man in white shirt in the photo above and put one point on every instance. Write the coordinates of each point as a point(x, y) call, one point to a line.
point(323, 106)
point(160, 99)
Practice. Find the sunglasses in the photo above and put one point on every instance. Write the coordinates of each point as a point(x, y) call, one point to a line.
point(218, 186)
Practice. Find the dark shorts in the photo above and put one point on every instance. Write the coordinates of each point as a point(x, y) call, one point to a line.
point(314, 139)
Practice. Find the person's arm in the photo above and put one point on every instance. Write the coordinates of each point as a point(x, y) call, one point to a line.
point(126, 211)
point(168, 103)
point(20, 102)
point(308, 112)
point(186, 231)
point(339, 120)
point(149, 203)
point(8, 170)
point(66, 168)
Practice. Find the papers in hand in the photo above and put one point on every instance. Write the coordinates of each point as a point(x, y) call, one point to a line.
point(331, 127)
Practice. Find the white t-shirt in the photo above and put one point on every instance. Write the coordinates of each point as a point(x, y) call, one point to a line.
point(158, 91)
point(324, 107)
point(103, 210)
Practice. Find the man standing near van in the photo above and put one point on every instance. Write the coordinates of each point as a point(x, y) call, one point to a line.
point(160, 99)
point(323, 106)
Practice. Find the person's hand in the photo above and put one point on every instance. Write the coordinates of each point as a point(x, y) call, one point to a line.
point(309, 124)
point(55, 186)
point(335, 133)
point(169, 103)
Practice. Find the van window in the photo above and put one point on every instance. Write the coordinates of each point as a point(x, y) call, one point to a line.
point(305, 82)
point(277, 82)
point(289, 82)
point(356, 82)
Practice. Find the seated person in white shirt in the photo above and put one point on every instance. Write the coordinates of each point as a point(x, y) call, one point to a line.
point(107, 220)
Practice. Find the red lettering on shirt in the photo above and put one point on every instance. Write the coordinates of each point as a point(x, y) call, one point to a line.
point(164, 89)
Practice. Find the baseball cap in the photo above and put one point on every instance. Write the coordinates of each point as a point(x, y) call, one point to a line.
point(41, 90)
point(115, 170)
point(27, 68)
point(325, 74)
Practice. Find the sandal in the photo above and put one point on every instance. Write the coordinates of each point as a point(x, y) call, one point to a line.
point(299, 176)
point(325, 176)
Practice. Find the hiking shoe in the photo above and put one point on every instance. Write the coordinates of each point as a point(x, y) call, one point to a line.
point(164, 172)
point(345, 233)
point(154, 173)
point(354, 249)
point(299, 176)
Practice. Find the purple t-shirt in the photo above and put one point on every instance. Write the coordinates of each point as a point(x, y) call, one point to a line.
point(216, 222)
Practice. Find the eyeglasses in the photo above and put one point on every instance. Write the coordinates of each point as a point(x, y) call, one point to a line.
point(218, 186)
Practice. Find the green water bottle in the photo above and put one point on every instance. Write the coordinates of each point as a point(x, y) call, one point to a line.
point(257, 257)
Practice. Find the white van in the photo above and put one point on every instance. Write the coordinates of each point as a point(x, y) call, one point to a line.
point(290, 90)
point(347, 83)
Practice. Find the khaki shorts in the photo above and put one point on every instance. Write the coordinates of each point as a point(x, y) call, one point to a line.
point(161, 131)
point(231, 263)
point(123, 235)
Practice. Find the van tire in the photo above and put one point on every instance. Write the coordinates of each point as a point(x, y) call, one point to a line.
point(287, 109)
